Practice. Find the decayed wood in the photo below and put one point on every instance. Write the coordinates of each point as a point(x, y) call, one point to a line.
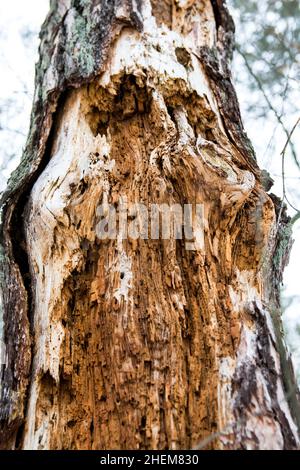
point(141, 343)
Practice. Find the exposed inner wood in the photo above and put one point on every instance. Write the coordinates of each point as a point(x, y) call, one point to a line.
point(143, 343)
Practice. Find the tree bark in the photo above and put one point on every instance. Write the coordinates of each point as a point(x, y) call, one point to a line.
point(141, 344)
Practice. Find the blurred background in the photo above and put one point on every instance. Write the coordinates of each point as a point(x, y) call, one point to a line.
point(266, 72)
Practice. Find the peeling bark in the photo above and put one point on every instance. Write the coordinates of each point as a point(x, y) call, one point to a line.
point(141, 344)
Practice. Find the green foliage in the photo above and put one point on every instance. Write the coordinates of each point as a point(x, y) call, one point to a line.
point(268, 36)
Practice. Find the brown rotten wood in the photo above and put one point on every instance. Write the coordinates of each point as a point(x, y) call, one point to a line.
point(141, 344)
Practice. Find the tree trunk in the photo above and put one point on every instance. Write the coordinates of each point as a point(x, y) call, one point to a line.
point(141, 343)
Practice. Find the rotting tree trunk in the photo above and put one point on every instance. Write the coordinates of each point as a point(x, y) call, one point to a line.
point(141, 344)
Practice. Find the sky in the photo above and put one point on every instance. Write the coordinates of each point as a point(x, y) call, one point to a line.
point(18, 54)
